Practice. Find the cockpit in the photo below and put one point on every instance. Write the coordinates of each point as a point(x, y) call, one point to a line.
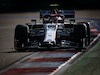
point(53, 18)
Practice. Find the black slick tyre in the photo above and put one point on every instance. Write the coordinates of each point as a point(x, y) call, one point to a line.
point(20, 37)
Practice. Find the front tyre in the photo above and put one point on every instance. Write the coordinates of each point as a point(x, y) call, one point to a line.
point(21, 37)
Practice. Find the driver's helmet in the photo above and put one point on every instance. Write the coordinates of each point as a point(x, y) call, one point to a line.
point(54, 19)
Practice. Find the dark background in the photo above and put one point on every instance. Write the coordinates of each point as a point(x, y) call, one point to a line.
point(31, 5)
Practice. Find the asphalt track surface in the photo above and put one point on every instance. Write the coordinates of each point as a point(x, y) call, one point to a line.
point(8, 22)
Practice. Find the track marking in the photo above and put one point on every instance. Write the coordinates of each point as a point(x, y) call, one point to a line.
point(62, 68)
point(29, 70)
point(47, 60)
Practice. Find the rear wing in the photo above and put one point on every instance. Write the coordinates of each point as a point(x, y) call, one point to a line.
point(44, 12)
point(66, 13)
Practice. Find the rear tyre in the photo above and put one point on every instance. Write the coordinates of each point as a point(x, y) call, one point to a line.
point(21, 37)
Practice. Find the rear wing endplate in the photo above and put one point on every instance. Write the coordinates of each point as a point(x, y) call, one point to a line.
point(44, 12)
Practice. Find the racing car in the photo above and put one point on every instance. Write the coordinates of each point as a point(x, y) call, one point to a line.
point(53, 32)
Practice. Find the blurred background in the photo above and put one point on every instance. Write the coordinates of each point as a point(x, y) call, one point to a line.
point(31, 5)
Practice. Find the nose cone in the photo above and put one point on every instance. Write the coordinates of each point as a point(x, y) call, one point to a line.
point(50, 35)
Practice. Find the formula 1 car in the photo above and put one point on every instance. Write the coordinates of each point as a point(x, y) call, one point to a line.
point(53, 32)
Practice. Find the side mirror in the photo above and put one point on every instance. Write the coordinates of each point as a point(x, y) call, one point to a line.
point(72, 20)
point(33, 21)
